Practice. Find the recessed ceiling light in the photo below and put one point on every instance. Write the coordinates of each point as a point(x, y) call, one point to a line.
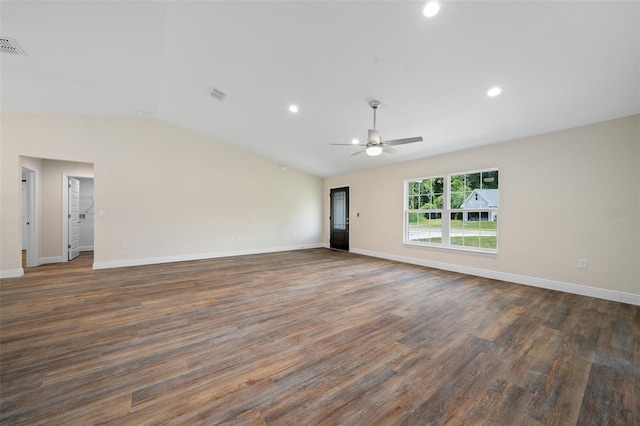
point(431, 9)
point(293, 108)
point(355, 141)
point(494, 91)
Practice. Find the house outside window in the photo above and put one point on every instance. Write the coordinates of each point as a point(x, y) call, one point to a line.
point(457, 211)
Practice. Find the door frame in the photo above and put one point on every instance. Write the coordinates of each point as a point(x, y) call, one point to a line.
point(32, 214)
point(65, 210)
point(348, 187)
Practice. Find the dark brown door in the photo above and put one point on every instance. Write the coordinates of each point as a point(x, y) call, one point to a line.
point(339, 219)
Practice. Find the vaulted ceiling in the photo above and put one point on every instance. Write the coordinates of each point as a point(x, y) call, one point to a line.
point(560, 65)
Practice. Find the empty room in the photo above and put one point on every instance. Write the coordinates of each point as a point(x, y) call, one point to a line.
point(320, 212)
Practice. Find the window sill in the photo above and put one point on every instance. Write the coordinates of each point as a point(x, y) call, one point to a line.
point(452, 248)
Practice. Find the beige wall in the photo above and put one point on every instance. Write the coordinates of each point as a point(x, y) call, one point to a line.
point(169, 192)
point(166, 191)
point(555, 194)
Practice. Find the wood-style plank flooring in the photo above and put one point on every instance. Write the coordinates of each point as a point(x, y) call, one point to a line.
point(309, 337)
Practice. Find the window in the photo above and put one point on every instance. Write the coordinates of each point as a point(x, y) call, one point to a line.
point(425, 209)
point(457, 210)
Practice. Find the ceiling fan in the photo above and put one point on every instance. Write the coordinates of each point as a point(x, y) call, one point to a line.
point(374, 145)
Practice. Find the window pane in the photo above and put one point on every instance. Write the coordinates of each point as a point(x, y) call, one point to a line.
point(490, 180)
point(424, 186)
point(473, 182)
point(456, 232)
point(426, 195)
point(417, 228)
point(457, 198)
point(474, 229)
point(438, 186)
point(339, 213)
point(438, 202)
point(458, 187)
point(435, 228)
point(412, 227)
point(424, 227)
point(471, 220)
point(414, 202)
point(489, 231)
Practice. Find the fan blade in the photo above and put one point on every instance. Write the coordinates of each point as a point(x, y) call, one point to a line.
point(389, 150)
point(359, 152)
point(347, 144)
point(402, 141)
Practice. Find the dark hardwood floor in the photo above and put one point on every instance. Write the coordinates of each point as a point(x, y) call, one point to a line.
point(309, 337)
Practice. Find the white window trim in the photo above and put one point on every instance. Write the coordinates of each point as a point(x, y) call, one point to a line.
point(445, 213)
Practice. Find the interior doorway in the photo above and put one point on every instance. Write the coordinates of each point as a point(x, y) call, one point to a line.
point(339, 219)
point(45, 209)
point(77, 215)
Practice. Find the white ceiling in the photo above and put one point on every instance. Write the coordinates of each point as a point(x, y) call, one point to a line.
point(560, 64)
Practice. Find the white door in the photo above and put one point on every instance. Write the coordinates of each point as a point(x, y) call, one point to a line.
point(25, 215)
point(74, 218)
point(29, 216)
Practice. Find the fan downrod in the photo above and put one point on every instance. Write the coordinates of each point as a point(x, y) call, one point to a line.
point(374, 104)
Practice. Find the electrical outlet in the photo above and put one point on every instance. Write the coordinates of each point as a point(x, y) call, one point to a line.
point(582, 263)
point(124, 245)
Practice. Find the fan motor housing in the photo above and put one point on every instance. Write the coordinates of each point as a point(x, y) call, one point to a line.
point(373, 137)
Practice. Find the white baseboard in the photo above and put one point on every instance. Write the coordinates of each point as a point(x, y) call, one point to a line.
point(85, 248)
point(600, 293)
point(199, 256)
point(52, 259)
point(11, 273)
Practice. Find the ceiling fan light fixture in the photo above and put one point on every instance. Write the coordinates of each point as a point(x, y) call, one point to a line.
point(373, 151)
point(431, 9)
point(374, 144)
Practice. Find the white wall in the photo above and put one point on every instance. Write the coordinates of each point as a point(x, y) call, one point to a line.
point(201, 198)
point(557, 194)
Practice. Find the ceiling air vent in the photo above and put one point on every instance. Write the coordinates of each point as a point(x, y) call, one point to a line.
point(9, 45)
point(216, 94)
